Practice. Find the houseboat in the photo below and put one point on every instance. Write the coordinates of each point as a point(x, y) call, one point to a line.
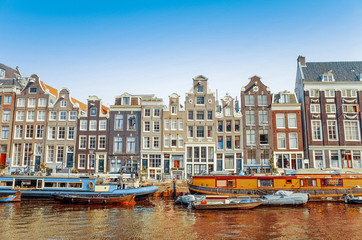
point(321, 186)
point(44, 187)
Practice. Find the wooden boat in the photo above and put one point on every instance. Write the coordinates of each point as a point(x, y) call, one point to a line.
point(11, 198)
point(44, 187)
point(226, 204)
point(353, 200)
point(285, 198)
point(95, 199)
point(321, 186)
point(185, 199)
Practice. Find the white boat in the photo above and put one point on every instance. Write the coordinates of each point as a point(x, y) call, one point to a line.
point(185, 199)
point(285, 198)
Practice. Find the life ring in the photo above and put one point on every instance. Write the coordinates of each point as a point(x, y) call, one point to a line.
point(91, 185)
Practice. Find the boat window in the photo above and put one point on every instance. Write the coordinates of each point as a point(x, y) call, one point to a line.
point(288, 181)
point(6, 183)
point(221, 183)
point(50, 184)
point(62, 184)
point(230, 183)
point(265, 182)
point(39, 183)
point(75, 185)
point(25, 183)
point(332, 182)
point(308, 182)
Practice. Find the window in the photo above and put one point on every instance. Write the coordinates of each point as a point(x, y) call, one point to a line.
point(220, 126)
point(228, 112)
point(18, 132)
point(209, 115)
point(313, 93)
point(280, 120)
point(6, 116)
point(250, 138)
point(102, 142)
point(156, 127)
point(167, 124)
point(327, 78)
point(33, 90)
point(209, 131)
point(72, 115)
point(50, 153)
point(180, 124)
point(316, 130)
point(220, 142)
point(82, 142)
point(126, 100)
point(329, 93)
point(334, 155)
point(251, 156)
point(31, 102)
point(318, 159)
point(81, 160)
point(92, 142)
point(173, 140)
point(262, 100)
point(292, 120)
point(190, 115)
point(93, 111)
point(39, 131)
point(200, 100)
point(71, 133)
point(351, 130)
point(21, 102)
point(60, 153)
point(228, 126)
point(264, 136)
point(293, 140)
point(61, 133)
point(350, 108)
point(264, 156)
point(131, 122)
point(41, 116)
point(8, 99)
point(229, 142)
point(174, 124)
point(315, 108)
point(200, 115)
point(5, 132)
point(118, 122)
point(284, 98)
point(200, 132)
point(156, 112)
point(62, 115)
point(357, 159)
point(332, 130)
point(51, 133)
point(91, 160)
point(17, 154)
point(250, 118)
point(102, 125)
point(156, 142)
point(29, 131)
point(349, 93)
point(42, 102)
point(237, 125)
point(147, 112)
point(281, 140)
point(93, 125)
point(146, 142)
point(190, 131)
point(131, 145)
point(30, 116)
point(249, 100)
point(147, 126)
point(83, 125)
point(263, 118)
point(180, 141)
point(53, 116)
point(237, 142)
point(173, 110)
point(200, 88)
point(20, 115)
point(155, 160)
point(331, 108)
point(265, 182)
point(167, 140)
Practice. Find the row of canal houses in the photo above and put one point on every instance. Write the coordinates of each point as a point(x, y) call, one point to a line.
point(318, 126)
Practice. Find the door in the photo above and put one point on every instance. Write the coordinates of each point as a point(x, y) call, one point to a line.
point(37, 163)
point(348, 157)
point(2, 160)
point(69, 160)
point(101, 165)
point(238, 165)
point(219, 165)
point(167, 166)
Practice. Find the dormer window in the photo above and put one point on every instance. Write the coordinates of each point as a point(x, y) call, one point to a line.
point(93, 111)
point(327, 77)
point(126, 100)
point(200, 89)
point(2, 73)
point(284, 98)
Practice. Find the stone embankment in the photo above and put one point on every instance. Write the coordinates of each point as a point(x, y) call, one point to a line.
point(166, 189)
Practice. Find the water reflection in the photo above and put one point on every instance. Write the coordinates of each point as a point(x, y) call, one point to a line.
point(160, 219)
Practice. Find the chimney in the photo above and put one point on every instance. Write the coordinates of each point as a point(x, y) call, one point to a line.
point(301, 60)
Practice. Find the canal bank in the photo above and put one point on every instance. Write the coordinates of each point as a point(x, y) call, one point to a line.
point(166, 188)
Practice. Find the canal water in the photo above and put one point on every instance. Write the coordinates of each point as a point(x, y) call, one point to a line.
point(161, 219)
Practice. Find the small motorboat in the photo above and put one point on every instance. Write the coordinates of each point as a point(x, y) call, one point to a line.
point(226, 204)
point(11, 198)
point(95, 199)
point(185, 199)
point(285, 198)
point(353, 200)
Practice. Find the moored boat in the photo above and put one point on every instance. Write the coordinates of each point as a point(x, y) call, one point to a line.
point(11, 198)
point(352, 199)
point(285, 198)
point(95, 199)
point(226, 204)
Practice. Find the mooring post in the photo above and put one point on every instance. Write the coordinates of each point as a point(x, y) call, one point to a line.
point(174, 188)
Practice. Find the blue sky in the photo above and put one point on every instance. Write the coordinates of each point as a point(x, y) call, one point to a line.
point(105, 48)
